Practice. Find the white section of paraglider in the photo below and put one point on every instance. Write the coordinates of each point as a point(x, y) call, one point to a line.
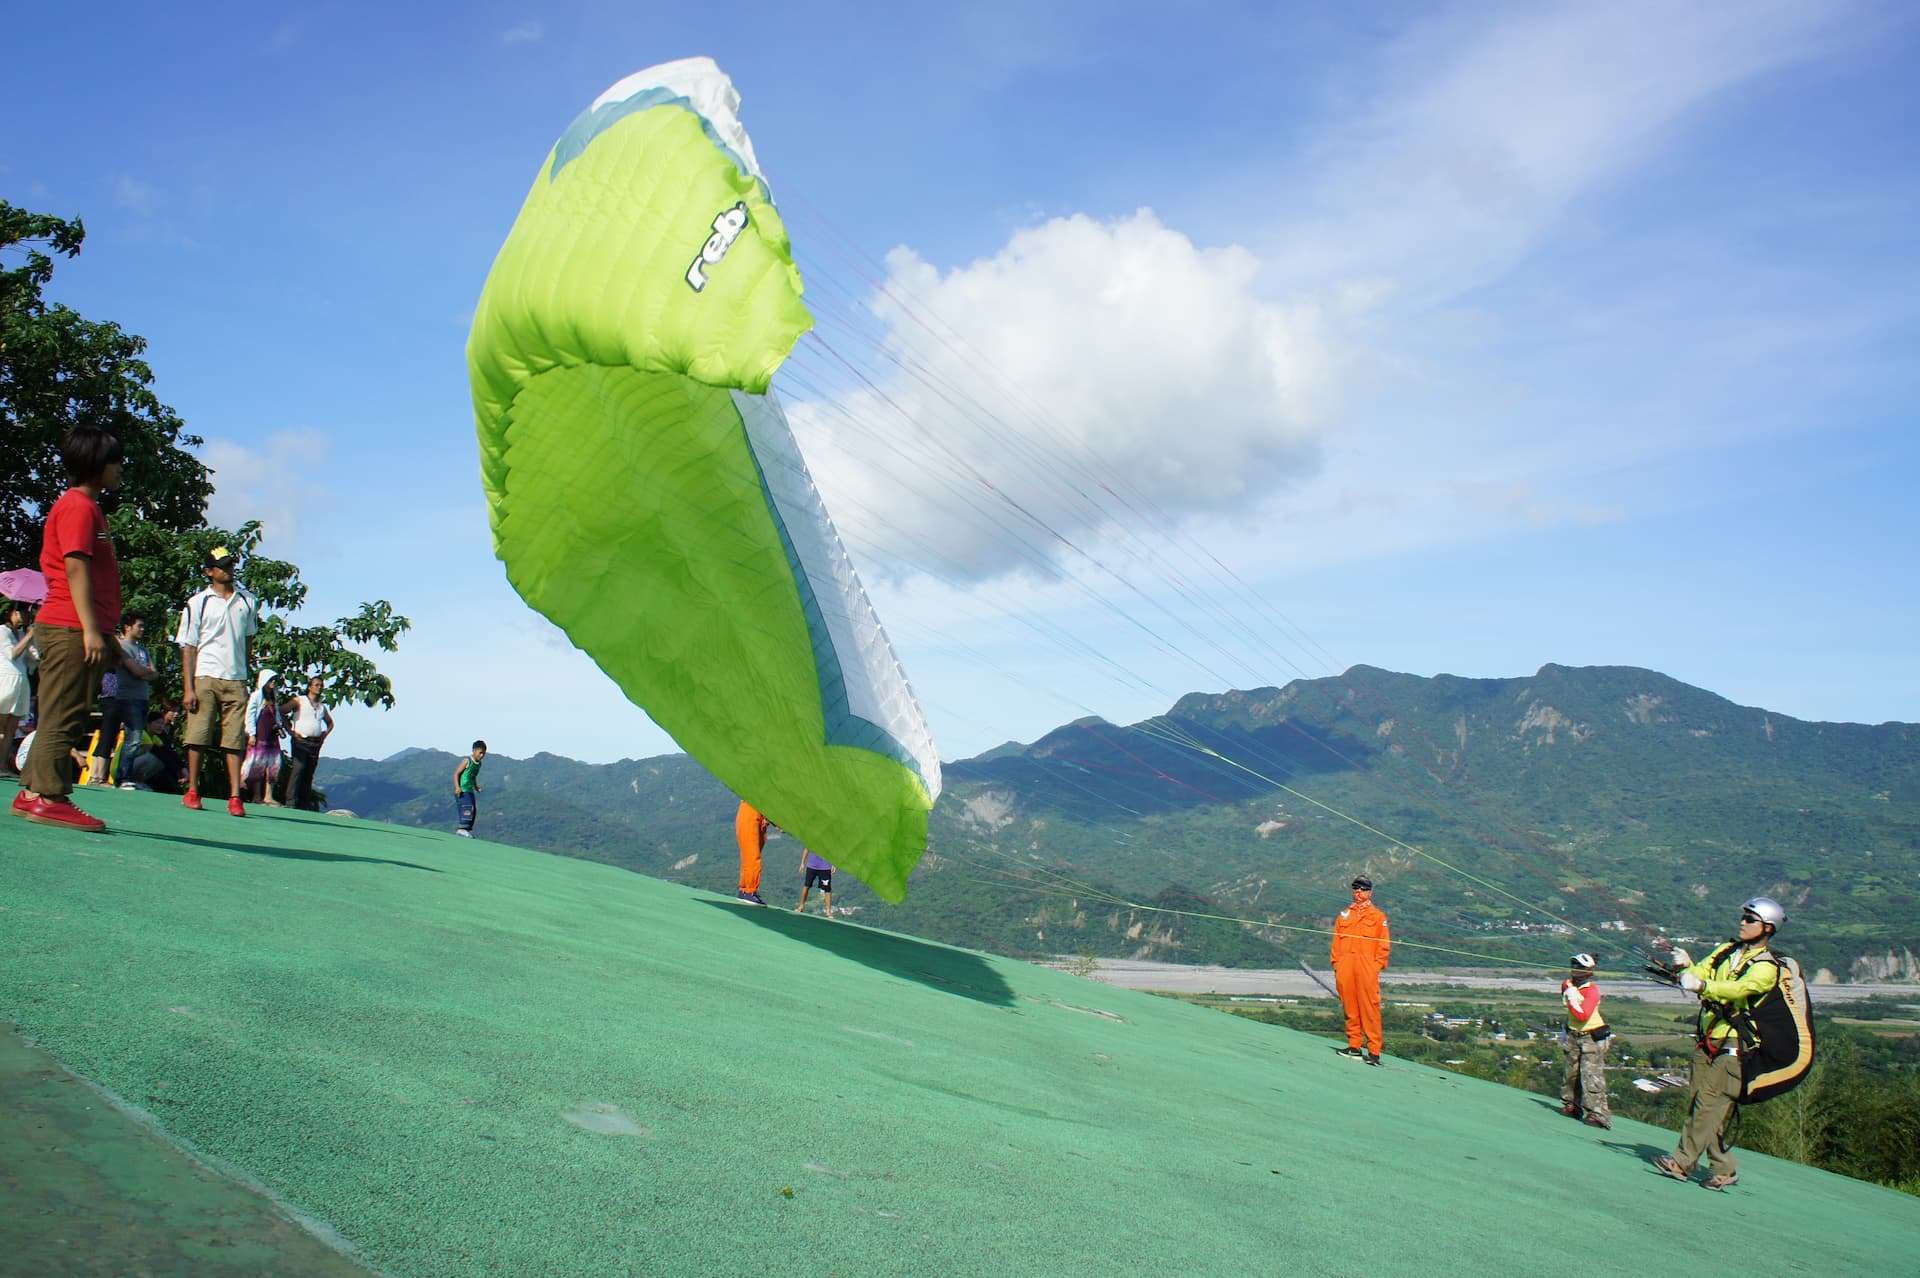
point(870, 676)
point(704, 85)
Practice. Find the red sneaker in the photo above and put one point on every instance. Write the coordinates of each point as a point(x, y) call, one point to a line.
point(59, 812)
point(20, 804)
point(191, 799)
point(235, 807)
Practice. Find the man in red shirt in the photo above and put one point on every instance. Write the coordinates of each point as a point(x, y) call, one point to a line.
point(75, 629)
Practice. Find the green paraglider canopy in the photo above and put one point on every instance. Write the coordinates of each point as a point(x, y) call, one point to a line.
point(646, 493)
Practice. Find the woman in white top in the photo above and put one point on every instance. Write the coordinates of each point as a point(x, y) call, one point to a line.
point(311, 723)
point(16, 694)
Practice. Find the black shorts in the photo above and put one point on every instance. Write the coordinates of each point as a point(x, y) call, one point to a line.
point(823, 877)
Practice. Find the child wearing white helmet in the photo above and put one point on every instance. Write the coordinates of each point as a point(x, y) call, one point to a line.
point(1583, 1086)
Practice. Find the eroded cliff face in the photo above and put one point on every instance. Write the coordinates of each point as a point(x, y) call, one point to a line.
point(1888, 965)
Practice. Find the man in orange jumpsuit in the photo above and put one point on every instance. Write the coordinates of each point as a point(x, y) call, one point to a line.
point(750, 828)
point(1360, 945)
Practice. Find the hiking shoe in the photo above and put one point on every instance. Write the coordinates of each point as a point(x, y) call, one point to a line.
point(1571, 1111)
point(1373, 1058)
point(191, 799)
point(61, 812)
point(751, 898)
point(1721, 1180)
point(1665, 1165)
point(1593, 1120)
point(1351, 1053)
point(465, 834)
point(235, 807)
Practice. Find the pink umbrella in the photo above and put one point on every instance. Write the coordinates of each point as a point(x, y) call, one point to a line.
point(24, 585)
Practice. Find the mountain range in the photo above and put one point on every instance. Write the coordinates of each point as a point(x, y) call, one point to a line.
point(1596, 808)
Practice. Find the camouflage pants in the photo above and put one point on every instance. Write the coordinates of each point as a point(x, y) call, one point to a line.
point(1585, 1082)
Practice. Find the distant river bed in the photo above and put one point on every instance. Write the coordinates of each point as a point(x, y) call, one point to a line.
point(1135, 974)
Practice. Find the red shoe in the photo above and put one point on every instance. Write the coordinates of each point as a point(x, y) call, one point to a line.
point(235, 807)
point(191, 799)
point(59, 812)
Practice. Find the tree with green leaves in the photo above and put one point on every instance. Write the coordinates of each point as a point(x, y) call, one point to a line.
point(58, 368)
point(160, 570)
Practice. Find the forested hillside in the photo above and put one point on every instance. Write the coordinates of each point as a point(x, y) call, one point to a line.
point(1601, 796)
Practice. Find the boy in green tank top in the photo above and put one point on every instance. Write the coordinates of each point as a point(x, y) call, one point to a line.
point(466, 789)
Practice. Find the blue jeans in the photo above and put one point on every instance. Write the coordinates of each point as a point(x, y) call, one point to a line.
point(119, 714)
point(466, 807)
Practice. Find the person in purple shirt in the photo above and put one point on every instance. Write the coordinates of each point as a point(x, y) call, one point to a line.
point(817, 870)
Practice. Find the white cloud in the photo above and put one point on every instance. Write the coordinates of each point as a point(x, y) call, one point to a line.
point(275, 483)
point(1317, 393)
point(529, 32)
point(1487, 131)
point(1221, 382)
point(1046, 38)
point(1082, 352)
point(287, 32)
point(130, 193)
point(466, 669)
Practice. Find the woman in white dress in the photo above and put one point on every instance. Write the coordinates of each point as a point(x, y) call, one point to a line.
point(261, 766)
point(16, 694)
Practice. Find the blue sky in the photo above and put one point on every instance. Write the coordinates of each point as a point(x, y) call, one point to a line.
point(1472, 338)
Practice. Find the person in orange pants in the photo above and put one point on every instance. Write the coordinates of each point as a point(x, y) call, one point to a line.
point(1360, 945)
point(750, 828)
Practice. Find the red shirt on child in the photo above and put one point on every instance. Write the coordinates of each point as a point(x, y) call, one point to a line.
point(75, 526)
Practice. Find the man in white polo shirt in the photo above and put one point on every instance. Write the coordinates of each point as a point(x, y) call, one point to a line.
point(214, 629)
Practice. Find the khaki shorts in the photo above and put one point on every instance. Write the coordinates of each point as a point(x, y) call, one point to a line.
point(223, 701)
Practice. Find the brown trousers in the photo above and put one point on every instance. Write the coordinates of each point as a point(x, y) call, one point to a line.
point(1712, 1093)
point(68, 688)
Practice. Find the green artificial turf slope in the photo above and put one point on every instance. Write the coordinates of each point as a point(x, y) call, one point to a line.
point(86, 1191)
point(474, 1059)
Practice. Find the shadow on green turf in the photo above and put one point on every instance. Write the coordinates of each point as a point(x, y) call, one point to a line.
point(292, 854)
point(1642, 1153)
point(302, 816)
point(934, 966)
